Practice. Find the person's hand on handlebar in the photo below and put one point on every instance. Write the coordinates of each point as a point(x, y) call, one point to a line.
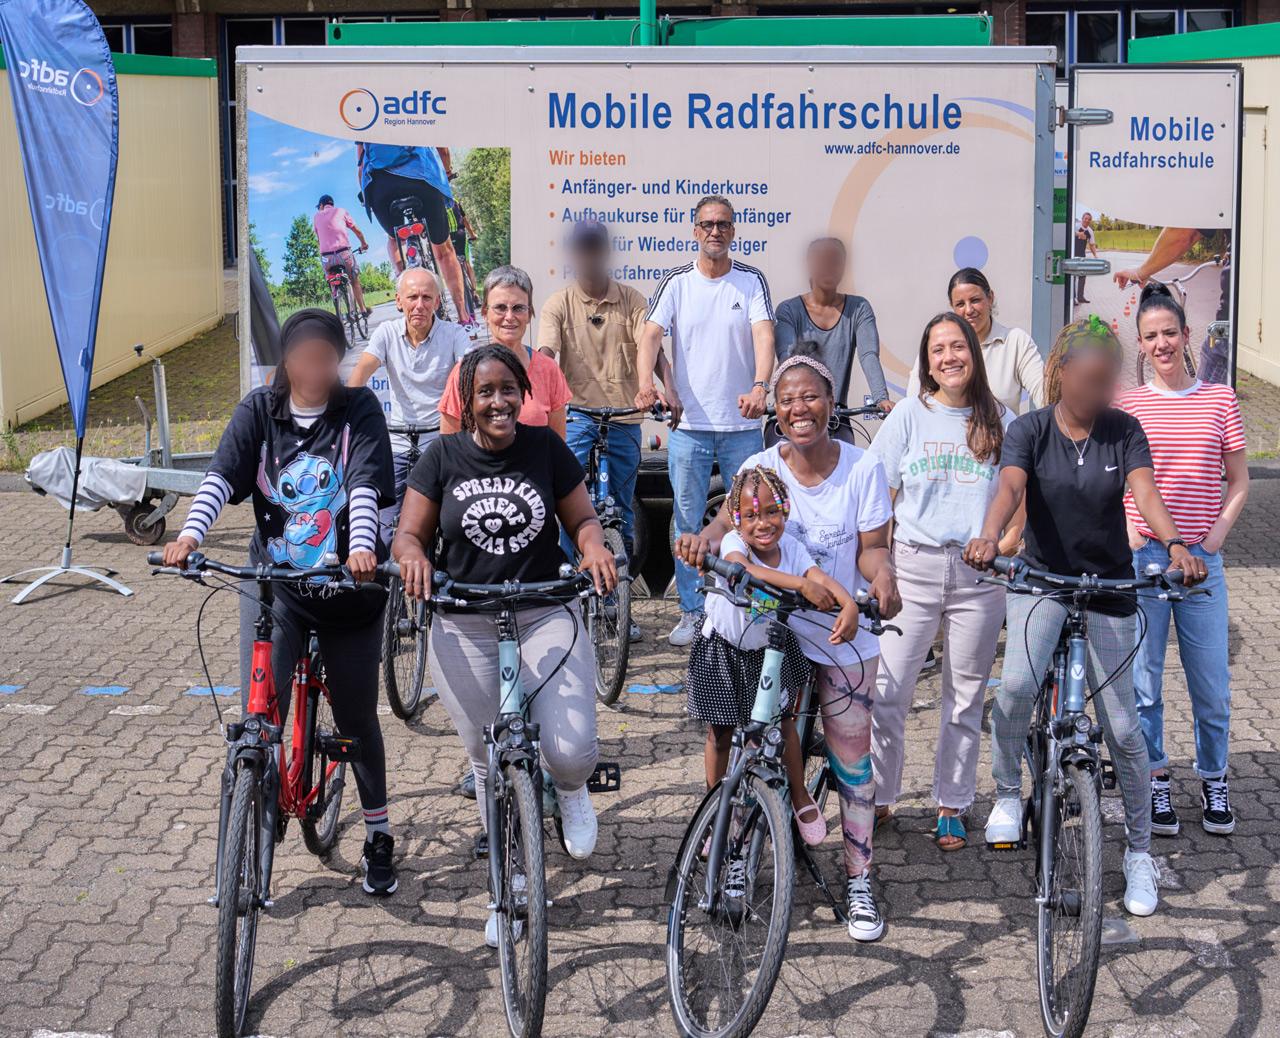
point(846, 626)
point(884, 589)
point(818, 596)
point(363, 565)
point(691, 549)
point(598, 561)
point(176, 551)
point(1193, 568)
point(415, 574)
point(981, 552)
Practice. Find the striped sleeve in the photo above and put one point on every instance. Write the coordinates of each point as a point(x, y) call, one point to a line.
point(764, 297)
point(1233, 438)
point(362, 513)
point(661, 308)
point(210, 500)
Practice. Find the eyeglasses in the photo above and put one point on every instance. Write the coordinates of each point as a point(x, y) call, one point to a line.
point(707, 226)
point(501, 309)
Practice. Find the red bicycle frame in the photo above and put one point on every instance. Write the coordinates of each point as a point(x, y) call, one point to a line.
point(264, 702)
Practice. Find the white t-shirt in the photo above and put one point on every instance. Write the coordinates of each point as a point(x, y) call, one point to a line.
point(709, 320)
point(416, 376)
point(943, 491)
point(827, 520)
point(735, 624)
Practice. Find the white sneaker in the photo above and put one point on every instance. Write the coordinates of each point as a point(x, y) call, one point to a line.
point(578, 818)
point(1141, 876)
point(1004, 824)
point(683, 633)
point(865, 921)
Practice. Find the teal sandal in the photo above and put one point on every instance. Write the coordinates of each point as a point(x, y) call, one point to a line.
point(953, 827)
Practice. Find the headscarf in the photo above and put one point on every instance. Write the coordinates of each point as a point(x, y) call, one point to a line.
point(311, 323)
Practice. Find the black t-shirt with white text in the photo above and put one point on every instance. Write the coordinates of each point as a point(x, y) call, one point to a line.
point(498, 508)
point(1075, 509)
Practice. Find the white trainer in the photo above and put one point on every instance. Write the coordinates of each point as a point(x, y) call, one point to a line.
point(1141, 879)
point(1004, 824)
point(578, 819)
point(682, 634)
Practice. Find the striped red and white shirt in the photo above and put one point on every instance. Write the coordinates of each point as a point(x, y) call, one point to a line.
point(1189, 432)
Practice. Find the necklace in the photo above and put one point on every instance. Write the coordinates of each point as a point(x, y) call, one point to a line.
point(1074, 445)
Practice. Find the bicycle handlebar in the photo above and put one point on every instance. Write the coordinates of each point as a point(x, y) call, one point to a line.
point(198, 563)
point(606, 413)
point(1019, 573)
point(569, 586)
point(413, 430)
point(735, 574)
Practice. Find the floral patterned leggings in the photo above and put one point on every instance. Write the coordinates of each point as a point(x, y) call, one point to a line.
point(846, 724)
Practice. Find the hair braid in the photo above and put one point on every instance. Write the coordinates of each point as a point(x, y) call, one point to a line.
point(758, 475)
point(467, 377)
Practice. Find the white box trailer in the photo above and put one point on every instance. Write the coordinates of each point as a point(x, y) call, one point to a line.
point(921, 160)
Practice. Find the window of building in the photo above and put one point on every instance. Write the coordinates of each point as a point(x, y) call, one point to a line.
point(1097, 37)
point(303, 32)
point(1049, 29)
point(114, 32)
point(1154, 23)
point(152, 38)
point(1199, 21)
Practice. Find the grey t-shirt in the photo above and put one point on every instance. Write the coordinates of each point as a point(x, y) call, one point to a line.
point(854, 333)
point(943, 491)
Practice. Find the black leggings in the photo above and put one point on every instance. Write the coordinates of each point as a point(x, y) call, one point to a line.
point(351, 665)
point(385, 188)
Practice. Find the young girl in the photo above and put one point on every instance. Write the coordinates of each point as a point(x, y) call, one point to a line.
point(728, 653)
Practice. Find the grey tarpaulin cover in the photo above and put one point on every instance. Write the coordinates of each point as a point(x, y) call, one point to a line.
point(103, 481)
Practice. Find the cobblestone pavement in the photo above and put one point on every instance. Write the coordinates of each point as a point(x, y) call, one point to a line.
point(107, 826)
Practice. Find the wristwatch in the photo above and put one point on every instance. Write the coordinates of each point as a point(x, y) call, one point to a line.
point(762, 385)
point(1175, 540)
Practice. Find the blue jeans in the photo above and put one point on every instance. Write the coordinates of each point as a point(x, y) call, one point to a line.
point(622, 448)
point(690, 455)
point(1201, 621)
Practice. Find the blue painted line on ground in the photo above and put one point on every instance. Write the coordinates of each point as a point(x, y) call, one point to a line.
point(104, 690)
point(8, 690)
point(654, 690)
point(217, 690)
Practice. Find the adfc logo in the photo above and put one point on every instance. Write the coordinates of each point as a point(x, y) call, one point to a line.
point(84, 85)
point(358, 108)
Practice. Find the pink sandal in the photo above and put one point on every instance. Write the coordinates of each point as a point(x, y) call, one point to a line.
point(814, 831)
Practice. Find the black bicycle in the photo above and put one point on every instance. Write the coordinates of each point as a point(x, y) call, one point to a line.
point(1064, 812)
point(342, 295)
point(517, 795)
point(406, 624)
point(608, 619)
point(731, 889)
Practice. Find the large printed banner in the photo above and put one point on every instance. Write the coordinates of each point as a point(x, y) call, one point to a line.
point(1154, 192)
point(921, 167)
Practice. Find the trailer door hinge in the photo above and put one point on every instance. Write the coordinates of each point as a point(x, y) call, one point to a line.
point(1084, 116)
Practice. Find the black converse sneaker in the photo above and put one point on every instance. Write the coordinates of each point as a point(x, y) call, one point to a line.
point(379, 872)
point(865, 923)
point(1164, 820)
point(1216, 799)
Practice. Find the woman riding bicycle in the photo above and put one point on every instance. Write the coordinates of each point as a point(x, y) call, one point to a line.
point(1070, 462)
point(315, 457)
point(1196, 434)
point(840, 512)
point(1012, 360)
point(508, 309)
point(493, 494)
point(941, 452)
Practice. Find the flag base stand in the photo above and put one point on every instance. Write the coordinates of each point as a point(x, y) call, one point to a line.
point(100, 574)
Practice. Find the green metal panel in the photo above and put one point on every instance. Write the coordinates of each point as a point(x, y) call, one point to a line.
point(560, 32)
point(1245, 41)
point(912, 31)
point(157, 65)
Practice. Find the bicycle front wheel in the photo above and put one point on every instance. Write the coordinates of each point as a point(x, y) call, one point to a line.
point(522, 916)
point(1070, 924)
point(238, 906)
point(609, 625)
point(404, 650)
point(722, 963)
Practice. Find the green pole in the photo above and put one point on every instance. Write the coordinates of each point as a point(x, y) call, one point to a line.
point(648, 23)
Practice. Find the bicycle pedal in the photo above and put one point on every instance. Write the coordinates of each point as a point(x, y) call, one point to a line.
point(607, 778)
point(336, 748)
point(1108, 771)
point(1008, 845)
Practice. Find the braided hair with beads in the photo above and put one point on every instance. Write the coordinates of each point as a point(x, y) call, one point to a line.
point(467, 368)
point(758, 476)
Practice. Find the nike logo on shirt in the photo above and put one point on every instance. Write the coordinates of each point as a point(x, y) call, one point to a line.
point(1111, 468)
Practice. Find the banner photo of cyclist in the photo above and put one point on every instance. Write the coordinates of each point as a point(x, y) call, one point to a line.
point(332, 222)
point(1155, 193)
point(878, 152)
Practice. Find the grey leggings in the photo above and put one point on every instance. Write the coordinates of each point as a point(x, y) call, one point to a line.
point(1034, 624)
point(464, 663)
